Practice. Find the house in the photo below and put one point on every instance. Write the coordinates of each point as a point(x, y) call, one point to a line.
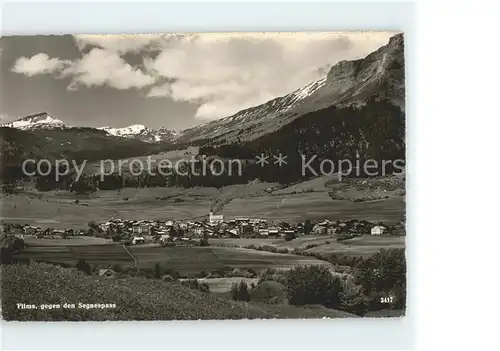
point(165, 238)
point(263, 232)
point(233, 232)
point(331, 230)
point(288, 232)
point(108, 273)
point(378, 230)
point(242, 219)
point(138, 240)
point(141, 229)
point(325, 223)
point(30, 229)
point(215, 219)
point(319, 229)
point(273, 231)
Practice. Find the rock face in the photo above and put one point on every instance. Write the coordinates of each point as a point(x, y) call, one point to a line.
point(379, 75)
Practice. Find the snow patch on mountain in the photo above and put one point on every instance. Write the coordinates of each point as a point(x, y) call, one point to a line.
point(125, 131)
point(37, 121)
point(141, 132)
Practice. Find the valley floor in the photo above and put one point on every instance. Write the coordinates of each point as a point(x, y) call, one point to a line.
point(307, 200)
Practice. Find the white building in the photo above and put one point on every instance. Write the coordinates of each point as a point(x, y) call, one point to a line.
point(138, 240)
point(378, 230)
point(215, 219)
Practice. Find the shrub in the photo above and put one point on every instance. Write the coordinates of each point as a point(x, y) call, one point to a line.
point(203, 242)
point(191, 283)
point(196, 285)
point(308, 226)
point(84, 267)
point(313, 285)
point(117, 268)
point(157, 273)
point(252, 271)
point(203, 287)
point(203, 274)
point(352, 298)
point(239, 291)
point(167, 278)
point(173, 273)
point(289, 237)
point(273, 275)
point(270, 292)
point(384, 272)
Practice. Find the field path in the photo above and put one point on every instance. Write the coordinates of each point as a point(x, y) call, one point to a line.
point(130, 254)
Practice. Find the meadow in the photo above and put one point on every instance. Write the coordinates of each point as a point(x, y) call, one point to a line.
point(364, 245)
point(59, 210)
point(188, 261)
point(133, 298)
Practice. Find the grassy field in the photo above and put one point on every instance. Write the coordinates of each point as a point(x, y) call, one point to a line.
point(306, 200)
point(133, 298)
point(360, 246)
point(315, 206)
point(59, 211)
point(31, 240)
point(365, 245)
point(188, 261)
point(96, 255)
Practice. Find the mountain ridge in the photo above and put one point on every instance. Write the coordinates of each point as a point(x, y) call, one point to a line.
point(43, 121)
point(347, 83)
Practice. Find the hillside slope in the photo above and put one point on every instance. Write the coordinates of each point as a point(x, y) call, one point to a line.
point(135, 298)
point(379, 75)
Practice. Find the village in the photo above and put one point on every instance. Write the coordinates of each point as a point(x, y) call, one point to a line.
point(170, 232)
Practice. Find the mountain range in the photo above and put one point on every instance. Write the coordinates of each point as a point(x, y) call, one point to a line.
point(358, 108)
point(43, 121)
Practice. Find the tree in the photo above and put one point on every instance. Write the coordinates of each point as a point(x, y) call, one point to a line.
point(308, 226)
point(204, 240)
point(239, 291)
point(83, 186)
point(9, 189)
point(384, 272)
point(157, 271)
point(313, 285)
point(94, 228)
point(84, 267)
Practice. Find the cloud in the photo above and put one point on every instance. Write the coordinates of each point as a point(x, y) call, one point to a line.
point(225, 73)
point(39, 64)
point(222, 73)
point(96, 68)
point(102, 67)
point(125, 43)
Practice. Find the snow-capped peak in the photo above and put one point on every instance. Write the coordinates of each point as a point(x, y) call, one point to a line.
point(125, 131)
point(141, 132)
point(40, 120)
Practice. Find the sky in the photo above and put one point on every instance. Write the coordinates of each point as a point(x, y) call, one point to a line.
point(173, 80)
